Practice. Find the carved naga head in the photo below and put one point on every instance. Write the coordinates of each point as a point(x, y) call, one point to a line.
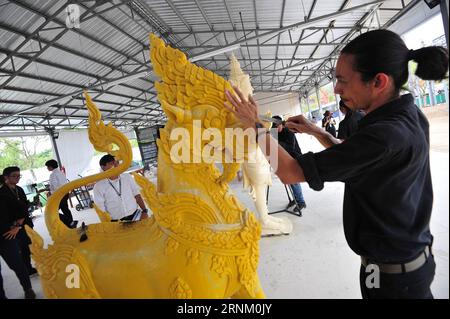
point(193, 99)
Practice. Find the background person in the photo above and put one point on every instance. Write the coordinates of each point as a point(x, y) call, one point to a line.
point(56, 180)
point(349, 125)
point(289, 142)
point(328, 123)
point(17, 205)
point(119, 195)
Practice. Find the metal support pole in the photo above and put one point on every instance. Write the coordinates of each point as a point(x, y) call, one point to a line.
point(300, 103)
point(444, 14)
point(377, 15)
point(431, 92)
point(318, 100)
point(53, 137)
point(446, 94)
point(419, 93)
point(309, 108)
point(336, 98)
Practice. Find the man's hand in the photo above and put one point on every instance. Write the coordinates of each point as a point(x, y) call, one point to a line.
point(245, 111)
point(299, 124)
point(11, 234)
point(143, 216)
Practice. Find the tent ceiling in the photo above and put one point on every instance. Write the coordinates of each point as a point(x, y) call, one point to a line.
point(44, 65)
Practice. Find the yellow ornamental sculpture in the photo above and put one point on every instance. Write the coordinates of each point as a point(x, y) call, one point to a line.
point(200, 241)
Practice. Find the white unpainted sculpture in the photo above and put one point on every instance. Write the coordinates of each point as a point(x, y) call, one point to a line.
point(256, 170)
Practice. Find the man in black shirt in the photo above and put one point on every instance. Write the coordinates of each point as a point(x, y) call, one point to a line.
point(20, 208)
point(288, 141)
point(385, 165)
point(12, 219)
point(349, 125)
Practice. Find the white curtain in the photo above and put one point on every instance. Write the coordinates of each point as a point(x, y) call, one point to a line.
point(75, 151)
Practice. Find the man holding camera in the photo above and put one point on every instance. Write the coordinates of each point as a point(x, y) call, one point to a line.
point(288, 141)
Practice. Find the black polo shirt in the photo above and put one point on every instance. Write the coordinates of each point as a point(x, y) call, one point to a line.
point(386, 170)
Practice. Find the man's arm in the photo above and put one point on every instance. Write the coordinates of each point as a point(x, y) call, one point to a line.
point(137, 196)
point(284, 165)
point(140, 202)
point(326, 139)
point(300, 124)
point(52, 183)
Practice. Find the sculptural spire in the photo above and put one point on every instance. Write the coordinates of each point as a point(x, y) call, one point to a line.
point(238, 78)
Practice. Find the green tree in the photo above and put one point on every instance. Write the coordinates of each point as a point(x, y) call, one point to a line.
point(9, 150)
point(42, 157)
point(22, 152)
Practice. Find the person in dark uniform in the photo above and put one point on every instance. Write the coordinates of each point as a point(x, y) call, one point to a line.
point(349, 125)
point(12, 219)
point(288, 141)
point(385, 165)
point(20, 208)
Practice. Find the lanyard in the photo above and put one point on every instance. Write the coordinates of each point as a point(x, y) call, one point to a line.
point(118, 192)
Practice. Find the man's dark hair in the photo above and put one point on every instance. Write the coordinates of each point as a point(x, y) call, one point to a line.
point(9, 170)
point(52, 163)
point(276, 117)
point(383, 51)
point(108, 158)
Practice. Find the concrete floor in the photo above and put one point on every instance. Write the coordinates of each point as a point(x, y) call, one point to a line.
point(315, 260)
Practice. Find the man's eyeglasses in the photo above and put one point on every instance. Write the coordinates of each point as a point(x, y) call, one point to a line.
point(15, 176)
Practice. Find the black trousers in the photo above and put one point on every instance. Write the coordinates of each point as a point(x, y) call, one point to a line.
point(12, 255)
point(411, 285)
point(24, 241)
point(66, 216)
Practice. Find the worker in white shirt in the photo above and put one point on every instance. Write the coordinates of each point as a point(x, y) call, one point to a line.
point(56, 180)
point(119, 195)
